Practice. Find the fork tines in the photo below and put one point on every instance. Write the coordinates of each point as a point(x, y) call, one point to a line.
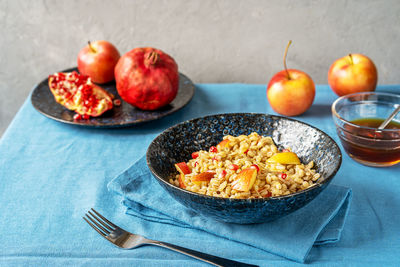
point(99, 223)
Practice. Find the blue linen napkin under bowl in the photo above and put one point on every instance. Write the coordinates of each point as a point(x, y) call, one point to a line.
point(291, 237)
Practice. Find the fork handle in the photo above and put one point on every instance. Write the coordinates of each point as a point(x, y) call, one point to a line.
point(217, 261)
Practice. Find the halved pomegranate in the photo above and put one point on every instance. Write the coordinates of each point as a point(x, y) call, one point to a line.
point(77, 92)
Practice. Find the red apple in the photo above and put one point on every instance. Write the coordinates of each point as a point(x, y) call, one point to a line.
point(204, 176)
point(181, 181)
point(244, 181)
point(290, 92)
point(223, 144)
point(97, 60)
point(351, 74)
point(183, 168)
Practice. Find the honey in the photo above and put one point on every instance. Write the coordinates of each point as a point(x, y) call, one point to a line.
point(375, 123)
point(371, 146)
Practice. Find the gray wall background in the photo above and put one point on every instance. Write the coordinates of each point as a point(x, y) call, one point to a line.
point(213, 41)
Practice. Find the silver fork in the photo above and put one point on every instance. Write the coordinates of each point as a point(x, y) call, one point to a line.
point(126, 240)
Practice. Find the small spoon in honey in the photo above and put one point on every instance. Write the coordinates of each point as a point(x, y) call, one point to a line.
point(389, 119)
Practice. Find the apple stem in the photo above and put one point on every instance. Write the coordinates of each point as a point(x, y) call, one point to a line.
point(284, 59)
point(351, 59)
point(91, 47)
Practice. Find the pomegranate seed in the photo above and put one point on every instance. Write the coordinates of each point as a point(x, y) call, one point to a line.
point(246, 152)
point(283, 175)
point(223, 173)
point(214, 158)
point(85, 117)
point(196, 163)
point(195, 155)
point(213, 149)
point(254, 166)
point(234, 167)
point(117, 102)
point(77, 116)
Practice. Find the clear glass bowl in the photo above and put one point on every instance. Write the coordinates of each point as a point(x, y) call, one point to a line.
point(367, 144)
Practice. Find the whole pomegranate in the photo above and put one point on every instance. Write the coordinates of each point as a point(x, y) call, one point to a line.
point(147, 78)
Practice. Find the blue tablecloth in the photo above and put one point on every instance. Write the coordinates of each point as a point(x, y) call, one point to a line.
point(52, 173)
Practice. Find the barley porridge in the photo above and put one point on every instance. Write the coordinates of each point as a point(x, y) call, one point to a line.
point(246, 166)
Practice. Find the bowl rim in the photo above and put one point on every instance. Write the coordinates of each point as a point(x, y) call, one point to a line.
point(327, 180)
point(336, 114)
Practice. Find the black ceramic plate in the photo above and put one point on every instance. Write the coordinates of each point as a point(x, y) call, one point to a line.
point(124, 115)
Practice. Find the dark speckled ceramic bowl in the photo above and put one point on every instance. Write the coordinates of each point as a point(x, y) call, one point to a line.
point(177, 143)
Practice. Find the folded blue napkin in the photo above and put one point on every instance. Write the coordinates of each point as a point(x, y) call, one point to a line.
point(291, 237)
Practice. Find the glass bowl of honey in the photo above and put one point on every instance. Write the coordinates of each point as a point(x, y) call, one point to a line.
point(357, 118)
